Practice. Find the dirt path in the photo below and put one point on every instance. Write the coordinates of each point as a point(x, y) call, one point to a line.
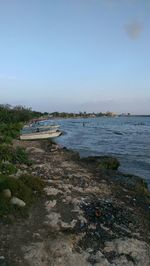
point(85, 218)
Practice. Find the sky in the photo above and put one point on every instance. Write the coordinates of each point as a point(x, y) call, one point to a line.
point(76, 55)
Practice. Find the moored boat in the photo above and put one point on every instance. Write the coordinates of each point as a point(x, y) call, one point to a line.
point(41, 135)
point(34, 129)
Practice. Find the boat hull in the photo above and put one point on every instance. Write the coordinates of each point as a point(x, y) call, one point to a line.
point(40, 135)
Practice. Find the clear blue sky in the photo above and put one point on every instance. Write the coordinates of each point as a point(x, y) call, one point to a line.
point(72, 55)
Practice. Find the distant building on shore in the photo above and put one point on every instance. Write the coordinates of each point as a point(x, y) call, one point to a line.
point(111, 114)
point(125, 114)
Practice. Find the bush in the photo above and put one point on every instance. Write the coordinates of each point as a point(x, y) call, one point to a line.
point(7, 139)
point(17, 187)
point(102, 162)
point(27, 188)
point(11, 130)
point(19, 190)
point(20, 156)
point(34, 183)
point(13, 155)
point(109, 163)
point(6, 152)
point(7, 168)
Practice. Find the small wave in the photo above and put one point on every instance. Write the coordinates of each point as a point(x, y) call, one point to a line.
point(117, 133)
point(125, 138)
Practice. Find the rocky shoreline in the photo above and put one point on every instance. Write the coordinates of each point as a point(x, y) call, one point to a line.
point(90, 214)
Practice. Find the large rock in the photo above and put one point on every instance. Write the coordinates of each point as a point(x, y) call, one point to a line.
point(7, 193)
point(18, 202)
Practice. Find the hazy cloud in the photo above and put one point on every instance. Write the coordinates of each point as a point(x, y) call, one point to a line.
point(134, 106)
point(133, 30)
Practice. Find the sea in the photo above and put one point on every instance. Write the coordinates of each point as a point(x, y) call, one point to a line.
point(126, 138)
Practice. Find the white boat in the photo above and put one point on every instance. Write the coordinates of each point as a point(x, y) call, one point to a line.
point(35, 129)
point(41, 135)
point(40, 127)
point(48, 126)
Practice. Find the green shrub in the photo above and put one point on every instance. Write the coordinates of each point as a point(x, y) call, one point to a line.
point(33, 182)
point(6, 152)
point(27, 188)
point(7, 168)
point(17, 187)
point(13, 155)
point(11, 130)
point(8, 210)
point(109, 163)
point(102, 162)
point(7, 139)
point(20, 156)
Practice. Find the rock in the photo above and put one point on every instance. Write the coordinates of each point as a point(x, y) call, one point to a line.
point(23, 166)
point(50, 204)
point(59, 252)
point(51, 191)
point(56, 177)
point(132, 182)
point(62, 254)
point(18, 202)
point(7, 193)
point(123, 261)
point(3, 261)
point(67, 226)
point(35, 150)
point(53, 220)
point(137, 250)
point(99, 259)
point(36, 236)
point(36, 254)
point(75, 233)
point(18, 174)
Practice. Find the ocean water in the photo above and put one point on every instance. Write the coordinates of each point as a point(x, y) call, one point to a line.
point(127, 138)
